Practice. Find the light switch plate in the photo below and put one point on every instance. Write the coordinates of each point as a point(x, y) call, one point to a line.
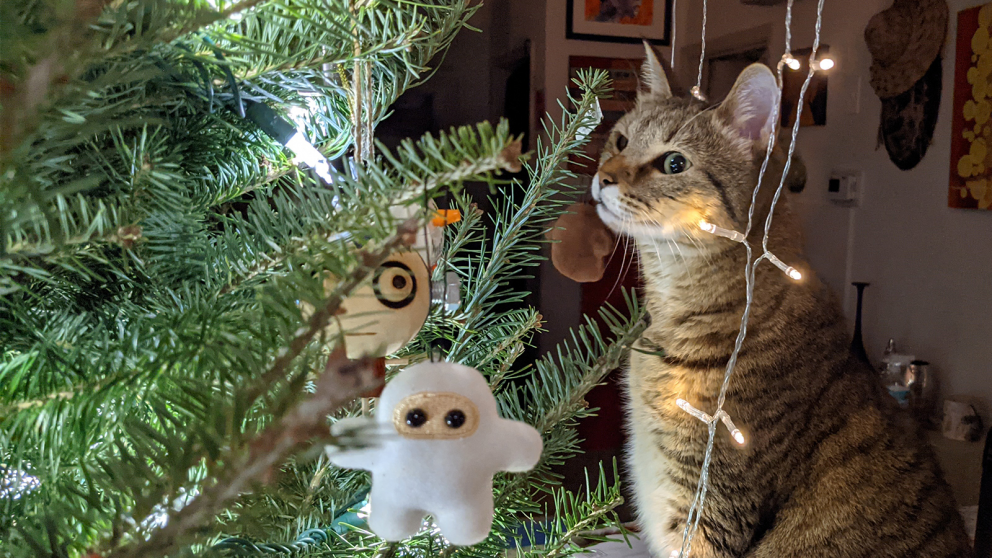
point(845, 186)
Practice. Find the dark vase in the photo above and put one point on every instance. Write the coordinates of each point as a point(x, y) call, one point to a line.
point(857, 344)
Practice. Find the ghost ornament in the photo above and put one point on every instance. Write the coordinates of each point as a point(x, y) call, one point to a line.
point(440, 442)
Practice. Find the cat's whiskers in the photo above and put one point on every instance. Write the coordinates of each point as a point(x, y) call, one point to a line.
point(616, 245)
point(688, 268)
point(696, 244)
point(675, 258)
point(671, 242)
point(626, 248)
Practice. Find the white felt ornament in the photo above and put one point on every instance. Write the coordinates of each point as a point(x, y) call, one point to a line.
point(441, 442)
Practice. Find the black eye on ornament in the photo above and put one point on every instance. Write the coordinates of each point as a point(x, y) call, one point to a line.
point(621, 142)
point(416, 418)
point(454, 419)
point(672, 162)
point(395, 285)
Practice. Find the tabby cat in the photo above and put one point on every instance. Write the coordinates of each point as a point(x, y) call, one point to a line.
point(831, 468)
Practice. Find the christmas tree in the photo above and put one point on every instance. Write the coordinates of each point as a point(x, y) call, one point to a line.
point(178, 180)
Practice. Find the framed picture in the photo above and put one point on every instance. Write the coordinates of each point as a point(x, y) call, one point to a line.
point(623, 73)
point(970, 185)
point(815, 104)
point(619, 21)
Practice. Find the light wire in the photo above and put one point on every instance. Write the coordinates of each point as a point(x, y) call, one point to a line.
point(696, 510)
point(675, 9)
point(697, 91)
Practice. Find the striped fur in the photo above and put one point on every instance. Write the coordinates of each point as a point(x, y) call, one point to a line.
point(831, 468)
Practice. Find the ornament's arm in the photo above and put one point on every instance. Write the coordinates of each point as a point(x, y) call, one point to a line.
point(354, 431)
point(520, 448)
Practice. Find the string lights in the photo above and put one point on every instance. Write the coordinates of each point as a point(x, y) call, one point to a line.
point(697, 90)
point(823, 65)
point(736, 236)
point(720, 231)
point(791, 61)
point(819, 65)
point(696, 509)
point(720, 415)
point(281, 130)
point(675, 9)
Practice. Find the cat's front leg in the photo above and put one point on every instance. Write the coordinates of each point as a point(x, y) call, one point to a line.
point(661, 502)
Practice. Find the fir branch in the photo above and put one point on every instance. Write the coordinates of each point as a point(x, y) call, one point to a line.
point(580, 515)
point(387, 550)
point(521, 224)
point(404, 236)
point(556, 392)
point(341, 381)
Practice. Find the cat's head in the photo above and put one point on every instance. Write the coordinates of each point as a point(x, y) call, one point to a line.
point(671, 161)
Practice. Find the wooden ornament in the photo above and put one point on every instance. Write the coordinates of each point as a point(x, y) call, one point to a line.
point(382, 316)
point(582, 244)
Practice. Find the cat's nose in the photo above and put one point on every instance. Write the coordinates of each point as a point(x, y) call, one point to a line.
point(607, 179)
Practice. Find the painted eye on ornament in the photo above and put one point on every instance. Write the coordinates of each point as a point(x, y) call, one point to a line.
point(395, 285)
point(454, 419)
point(672, 162)
point(416, 418)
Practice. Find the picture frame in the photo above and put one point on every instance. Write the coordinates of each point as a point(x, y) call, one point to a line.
point(970, 177)
point(619, 21)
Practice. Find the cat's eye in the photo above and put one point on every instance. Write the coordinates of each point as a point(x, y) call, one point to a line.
point(621, 142)
point(672, 162)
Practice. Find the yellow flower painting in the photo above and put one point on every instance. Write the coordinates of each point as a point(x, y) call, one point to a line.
point(971, 142)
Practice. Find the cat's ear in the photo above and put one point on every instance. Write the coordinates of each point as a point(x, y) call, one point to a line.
point(654, 75)
point(750, 106)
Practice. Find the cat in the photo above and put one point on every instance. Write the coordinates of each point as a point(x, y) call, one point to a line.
point(830, 467)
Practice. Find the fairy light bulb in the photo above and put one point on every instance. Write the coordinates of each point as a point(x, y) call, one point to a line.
point(307, 154)
point(824, 64)
point(721, 415)
point(284, 132)
point(720, 231)
point(792, 272)
point(697, 93)
point(791, 61)
point(735, 432)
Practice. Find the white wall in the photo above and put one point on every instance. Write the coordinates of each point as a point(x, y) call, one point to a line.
point(930, 266)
